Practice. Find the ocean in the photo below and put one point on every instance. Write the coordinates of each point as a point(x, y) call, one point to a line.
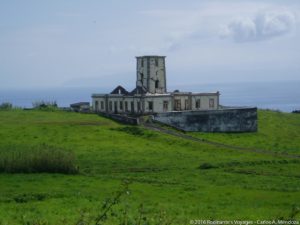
point(276, 95)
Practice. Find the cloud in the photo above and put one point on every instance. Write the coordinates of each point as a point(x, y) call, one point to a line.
point(263, 26)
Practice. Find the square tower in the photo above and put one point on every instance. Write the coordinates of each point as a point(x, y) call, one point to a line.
point(151, 74)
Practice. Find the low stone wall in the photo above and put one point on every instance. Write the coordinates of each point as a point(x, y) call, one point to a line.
point(121, 118)
point(222, 120)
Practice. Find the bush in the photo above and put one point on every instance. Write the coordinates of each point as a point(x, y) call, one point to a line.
point(136, 131)
point(37, 160)
point(206, 166)
point(44, 105)
point(133, 130)
point(24, 198)
point(6, 106)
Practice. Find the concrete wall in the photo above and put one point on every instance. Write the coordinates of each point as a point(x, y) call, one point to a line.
point(223, 120)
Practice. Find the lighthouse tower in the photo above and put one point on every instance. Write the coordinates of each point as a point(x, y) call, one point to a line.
point(151, 74)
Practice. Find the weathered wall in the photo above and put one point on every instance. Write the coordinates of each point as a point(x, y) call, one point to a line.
point(158, 103)
point(204, 100)
point(157, 99)
point(121, 118)
point(223, 120)
point(151, 71)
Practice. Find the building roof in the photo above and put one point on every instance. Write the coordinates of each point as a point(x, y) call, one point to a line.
point(138, 91)
point(119, 90)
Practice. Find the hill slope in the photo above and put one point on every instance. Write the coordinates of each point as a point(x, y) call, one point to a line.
point(163, 171)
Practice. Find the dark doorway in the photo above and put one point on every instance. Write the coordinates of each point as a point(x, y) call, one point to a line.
point(116, 107)
point(132, 107)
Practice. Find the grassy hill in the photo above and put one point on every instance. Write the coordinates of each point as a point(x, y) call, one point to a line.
point(169, 179)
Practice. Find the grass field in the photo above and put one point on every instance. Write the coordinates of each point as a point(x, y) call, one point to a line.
point(277, 131)
point(165, 181)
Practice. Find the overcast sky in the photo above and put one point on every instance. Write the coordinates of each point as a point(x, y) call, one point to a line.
point(58, 43)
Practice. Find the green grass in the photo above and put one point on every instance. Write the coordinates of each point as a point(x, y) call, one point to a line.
point(165, 171)
point(37, 159)
point(277, 131)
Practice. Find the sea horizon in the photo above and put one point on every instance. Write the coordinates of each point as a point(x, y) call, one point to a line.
point(274, 95)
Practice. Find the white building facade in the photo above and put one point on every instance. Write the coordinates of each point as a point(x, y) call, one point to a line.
point(150, 95)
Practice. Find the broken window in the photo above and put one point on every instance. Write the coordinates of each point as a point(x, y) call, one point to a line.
point(165, 106)
point(156, 83)
point(121, 105)
point(177, 105)
point(116, 107)
point(142, 78)
point(110, 105)
point(102, 105)
point(132, 107)
point(156, 61)
point(211, 103)
point(186, 104)
point(126, 106)
point(150, 105)
point(139, 106)
point(96, 105)
point(142, 63)
point(198, 103)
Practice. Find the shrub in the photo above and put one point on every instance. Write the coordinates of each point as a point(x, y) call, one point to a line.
point(36, 160)
point(134, 130)
point(24, 198)
point(206, 166)
point(6, 106)
point(44, 105)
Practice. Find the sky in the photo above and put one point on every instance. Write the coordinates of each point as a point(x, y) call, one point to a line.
point(74, 43)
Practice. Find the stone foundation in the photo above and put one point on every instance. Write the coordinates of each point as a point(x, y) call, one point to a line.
point(221, 120)
point(122, 118)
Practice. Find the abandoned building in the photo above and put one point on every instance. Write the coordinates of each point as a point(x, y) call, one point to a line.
point(183, 110)
point(150, 94)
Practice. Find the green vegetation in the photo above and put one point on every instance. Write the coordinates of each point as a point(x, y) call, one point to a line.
point(6, 106)
point(36, 160)
point(277, 131)
point(45, 105)
point(168, 180)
